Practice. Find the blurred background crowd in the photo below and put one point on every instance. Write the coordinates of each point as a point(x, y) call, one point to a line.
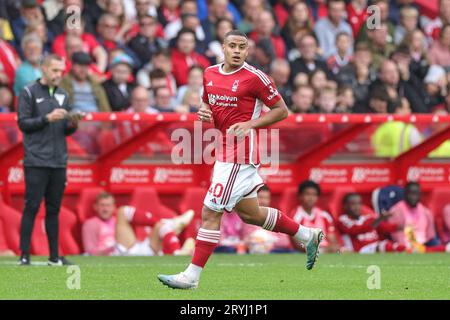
point(324, 56)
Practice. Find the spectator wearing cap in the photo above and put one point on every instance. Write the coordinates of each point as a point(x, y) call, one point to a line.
point(118, 88)
point(89, 44)
point(29, 11)
point(265, 29)
point(326, 29)
point(439, 52)
point(184, 56)
point(146, 43)
point(85, 94)
point(309, 60)
point(30, 69)
point(435, 83)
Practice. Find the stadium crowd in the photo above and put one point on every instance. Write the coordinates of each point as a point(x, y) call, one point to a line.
point(322, 55)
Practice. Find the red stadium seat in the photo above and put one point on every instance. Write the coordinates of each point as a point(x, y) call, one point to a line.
point(289, 201)
point(192, 199)
point(439, 198)
point(10, 226)
point(86, 202)
point(335, 203)
point(146, 198)
point(68, 233)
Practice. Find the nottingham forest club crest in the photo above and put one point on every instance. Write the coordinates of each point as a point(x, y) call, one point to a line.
point(235, 85)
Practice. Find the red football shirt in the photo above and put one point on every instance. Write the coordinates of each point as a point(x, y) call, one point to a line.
point(234, 97)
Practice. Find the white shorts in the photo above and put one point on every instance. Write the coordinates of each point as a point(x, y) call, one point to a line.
point(140, 248)
point(231, 183)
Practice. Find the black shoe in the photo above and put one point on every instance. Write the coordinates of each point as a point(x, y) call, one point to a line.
point(62, 261)
point(24, 260)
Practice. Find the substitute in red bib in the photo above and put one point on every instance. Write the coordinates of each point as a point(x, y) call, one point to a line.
point(234, 94)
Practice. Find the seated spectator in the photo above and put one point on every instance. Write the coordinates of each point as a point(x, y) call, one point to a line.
point(318, 80)
point(146, 43)
point(190, 103)
point(439, 51)
point(168, 11)
point(280, 71)
point(118, 88)
point(251, 10)
point(264, 29)
point(215, 53)
point(357, 15)
point(9, 62)
point(30, 10)
point(377, 101)
point(435, 83)
point(326, 100)
point(39, 28)
point(188, 7)
point(216, 9)
point(415, 221)
point(343, 53)
point(110, 231)
point(358, 73)
point(117, 9)
point(308, 214)
point(161, 60)
point(192, 22)
point(90, 44)
point(263, 55)
point(303, 99)
point(308, 61)
point(298, 23)
point(434, 26)
point(418, 49)
point(58, 23)
point(446, 224)
point(360, 232)
point(380, 48)
point(85, 94)
point(326, 29)
point(6, 100)
point(140, 101)
point(184, 56)
point(409, 21)
point(30, 69)
point(163, 100)
point(194, 84)
point(384, 11)
point(107, 27)
point(345, 100)
point(237, 236)
point(397, 88)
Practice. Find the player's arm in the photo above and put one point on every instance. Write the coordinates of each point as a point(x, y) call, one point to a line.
point(278, 112)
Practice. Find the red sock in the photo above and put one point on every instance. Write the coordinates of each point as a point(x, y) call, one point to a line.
point(394, 247)
point(277, 221)
point(207, 241)
point(170, 243)
point(439, 248)
point(139, 217)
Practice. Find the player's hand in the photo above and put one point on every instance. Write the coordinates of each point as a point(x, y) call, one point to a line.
point(204, 114)
point(75, 116)
point(240, 129)
point(57, 115)
point(386, 214)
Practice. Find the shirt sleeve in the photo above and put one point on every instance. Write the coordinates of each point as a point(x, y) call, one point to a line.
point(265, 89)
point(204, 95)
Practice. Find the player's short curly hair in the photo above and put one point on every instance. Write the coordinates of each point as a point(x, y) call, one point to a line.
point(307, 184)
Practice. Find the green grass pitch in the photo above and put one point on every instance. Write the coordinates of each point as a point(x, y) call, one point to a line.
point(276, 276)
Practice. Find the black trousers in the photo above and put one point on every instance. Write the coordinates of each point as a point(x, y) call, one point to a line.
point(48, 183)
